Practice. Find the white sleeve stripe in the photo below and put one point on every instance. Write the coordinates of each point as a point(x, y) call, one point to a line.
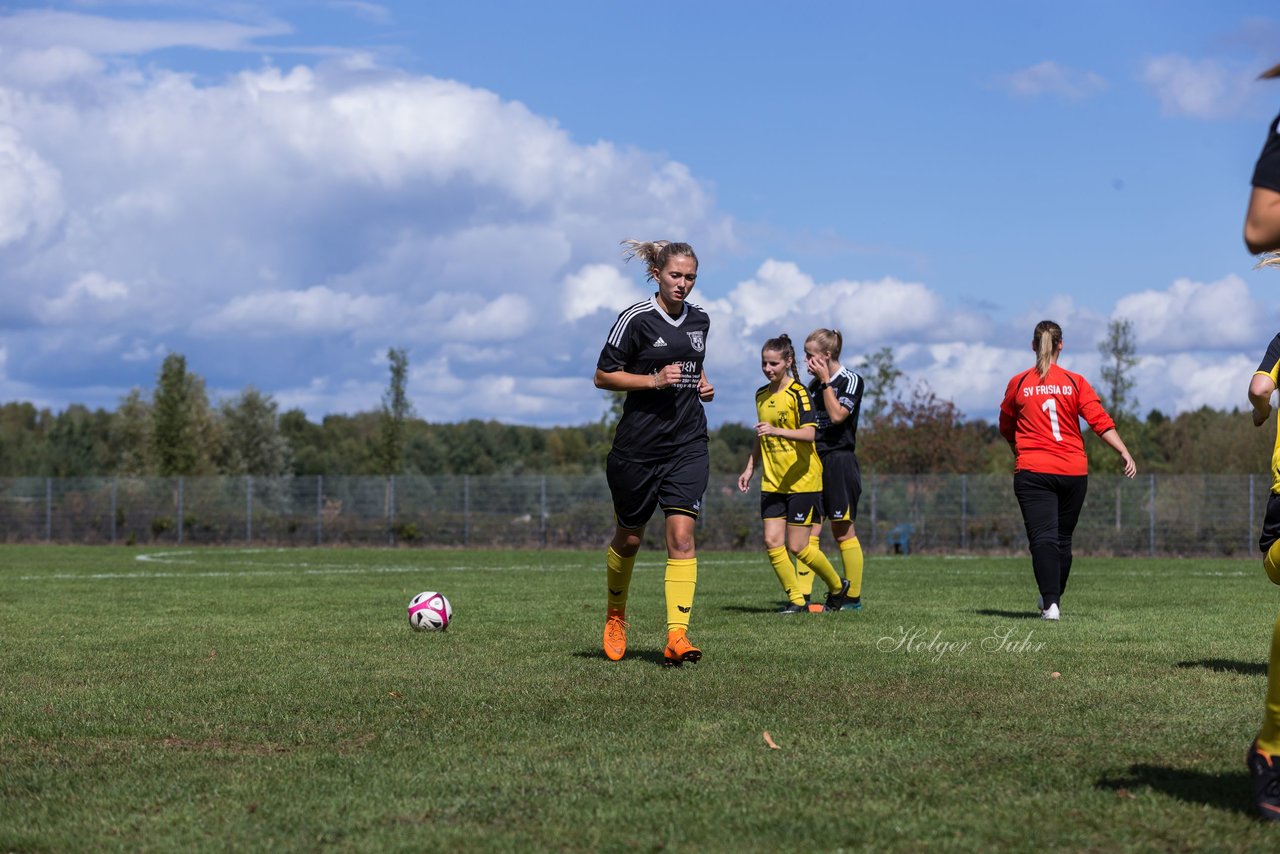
point(620, 325)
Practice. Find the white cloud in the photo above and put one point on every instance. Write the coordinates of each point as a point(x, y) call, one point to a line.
point(1201, 89)
point(316, 310)
point(596, 287)
point(31, 200)
point(1191, 315)
point(1051, 78)
point(37, 29)
point(92, 296)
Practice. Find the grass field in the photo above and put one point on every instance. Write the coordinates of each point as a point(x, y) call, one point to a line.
point(261, 699)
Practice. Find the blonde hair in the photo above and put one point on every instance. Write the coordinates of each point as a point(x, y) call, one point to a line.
point(1269, 259)
point(782, 345)
point(1045, 339)
point(1270, 73)
point(656, 253)
point(828, 341)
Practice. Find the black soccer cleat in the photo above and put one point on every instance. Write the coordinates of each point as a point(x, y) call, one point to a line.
point(1265, 771)
point(790, 608)
point(838, 598)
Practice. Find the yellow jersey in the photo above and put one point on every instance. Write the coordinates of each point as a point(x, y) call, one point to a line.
point(1270, 366)
point(789, 466)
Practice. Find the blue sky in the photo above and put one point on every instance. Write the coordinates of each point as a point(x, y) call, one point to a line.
point(281, 191)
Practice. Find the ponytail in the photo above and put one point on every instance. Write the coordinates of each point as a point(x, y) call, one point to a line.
point(1045, 340)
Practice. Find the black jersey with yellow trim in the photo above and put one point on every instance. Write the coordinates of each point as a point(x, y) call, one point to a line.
point(1266, 173)
point(1270, 366)
point(643, 340)
point(848, 387)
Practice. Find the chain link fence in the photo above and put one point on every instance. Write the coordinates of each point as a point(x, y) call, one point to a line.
point(1155, 514)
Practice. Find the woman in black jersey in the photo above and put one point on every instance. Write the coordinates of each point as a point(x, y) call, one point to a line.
point(837, 398)
point(654, 353)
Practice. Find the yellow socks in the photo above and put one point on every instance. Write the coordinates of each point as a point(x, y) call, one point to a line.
point(851, 557)
point(804, 573)
point(682, 578)
point(618, 575)
point(813, 558)
point(1269, 737)
point(786, 572)
point(1271, 563)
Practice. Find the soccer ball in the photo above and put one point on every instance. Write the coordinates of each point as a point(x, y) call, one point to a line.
point(430, 612)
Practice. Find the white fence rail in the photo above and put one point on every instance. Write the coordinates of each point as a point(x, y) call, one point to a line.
point(1154, 514)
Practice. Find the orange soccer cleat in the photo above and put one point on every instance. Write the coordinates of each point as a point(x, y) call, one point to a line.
point(615, 635)
point(679, 650)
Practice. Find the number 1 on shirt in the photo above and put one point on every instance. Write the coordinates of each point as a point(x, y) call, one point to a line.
point(1051, 406)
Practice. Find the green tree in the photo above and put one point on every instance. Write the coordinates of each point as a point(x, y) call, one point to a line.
point(132, 446)
point(882, 377)
point(396, 410)
point(1119, 358)
point(185, 434)
point(252, 441)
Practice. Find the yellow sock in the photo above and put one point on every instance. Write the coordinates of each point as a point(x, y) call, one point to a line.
point(813, 558)
point(618, 575)
point(786, 572)
point(804, 574)
point(851, 557)
point(1269, 737)
point(682, 578)
point(1271, 563)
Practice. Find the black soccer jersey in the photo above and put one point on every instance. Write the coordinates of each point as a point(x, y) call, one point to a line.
point(1266, 173)
point(842, 436)
point(643, 340)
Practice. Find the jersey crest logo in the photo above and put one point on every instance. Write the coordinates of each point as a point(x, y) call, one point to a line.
point(659, 342)
point(695, 338)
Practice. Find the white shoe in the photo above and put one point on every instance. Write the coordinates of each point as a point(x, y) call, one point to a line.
point(1050, 613)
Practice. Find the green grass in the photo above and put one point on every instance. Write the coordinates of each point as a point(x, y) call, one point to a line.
point(252, 700)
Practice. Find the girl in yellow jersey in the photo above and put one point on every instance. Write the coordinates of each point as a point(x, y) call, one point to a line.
point(791, 478)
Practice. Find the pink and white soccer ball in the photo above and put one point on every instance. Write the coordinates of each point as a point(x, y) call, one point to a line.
point(429, 611)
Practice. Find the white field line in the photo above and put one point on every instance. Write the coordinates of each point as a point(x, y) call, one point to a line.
point(271, 568)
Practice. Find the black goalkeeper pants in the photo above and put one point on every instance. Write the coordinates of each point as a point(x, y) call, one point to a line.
point(1051, 506)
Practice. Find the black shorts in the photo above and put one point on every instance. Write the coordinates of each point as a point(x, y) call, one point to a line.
point(798, 508)
point(1270, 523)
point(841, 486)
point(677, 485)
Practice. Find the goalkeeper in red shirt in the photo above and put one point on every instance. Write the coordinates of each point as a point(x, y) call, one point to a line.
point(1040, 418)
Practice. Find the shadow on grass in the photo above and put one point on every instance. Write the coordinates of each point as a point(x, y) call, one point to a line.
point(652, 656)
point(751, 609)
point(1225, 665)
point(1231, 792)
point(1008, 615)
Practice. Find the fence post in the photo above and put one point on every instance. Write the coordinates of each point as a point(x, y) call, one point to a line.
point(181, 504)
point(964, 511)
point(319, 509)
point(543, 530)
point(48, 509)
point(1248, 537)
point(466, 509)
point(873, 509)
point(391, 509)
point(113, 510)
point(1151, 525)
point(248, 509)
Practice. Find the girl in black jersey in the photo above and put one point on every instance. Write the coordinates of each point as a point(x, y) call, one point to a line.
point(654, 353)
point(837, 399)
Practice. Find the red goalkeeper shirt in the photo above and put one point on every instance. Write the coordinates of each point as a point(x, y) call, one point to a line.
point(1042, 418)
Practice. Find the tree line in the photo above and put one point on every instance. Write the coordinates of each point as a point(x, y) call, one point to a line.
point(905, 428)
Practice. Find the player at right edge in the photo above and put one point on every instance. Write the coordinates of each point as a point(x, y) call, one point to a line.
point(1262, 234)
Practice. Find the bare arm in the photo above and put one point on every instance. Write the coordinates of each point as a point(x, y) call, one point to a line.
point(1112, 438)
point(1260, 388)
point(623, 381)
point(744, 479)
point(805, 433)
point(1262, 222)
